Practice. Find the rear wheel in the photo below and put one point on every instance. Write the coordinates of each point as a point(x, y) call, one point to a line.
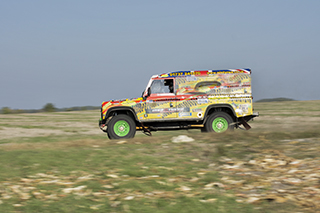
point(121, 126)
point(218, 122)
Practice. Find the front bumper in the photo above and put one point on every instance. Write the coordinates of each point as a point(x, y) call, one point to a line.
point(103, 126)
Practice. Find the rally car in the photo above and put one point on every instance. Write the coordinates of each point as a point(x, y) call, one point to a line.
point(210, 100)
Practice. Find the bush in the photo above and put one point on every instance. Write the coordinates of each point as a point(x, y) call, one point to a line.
point(49, 107)
point(6, 110)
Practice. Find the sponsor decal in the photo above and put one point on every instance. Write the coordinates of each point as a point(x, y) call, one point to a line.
point(203, 101)
point(244, 107)
point(239, 111)
point(183, 109)
point(199, 114)
point(197, 110)
point(139, 107)
point(204, 72)
point(181, 73)
point(191, 78)
point(183, 114)
point(213, 72)
point(167, 110)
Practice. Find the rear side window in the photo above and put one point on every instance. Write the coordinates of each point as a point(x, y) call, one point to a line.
point(206, 86)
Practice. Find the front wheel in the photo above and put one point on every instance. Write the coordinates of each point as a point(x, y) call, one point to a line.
point(121, 126)
point(218, 122)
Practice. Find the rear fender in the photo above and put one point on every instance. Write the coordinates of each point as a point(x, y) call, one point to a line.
point(221, 107)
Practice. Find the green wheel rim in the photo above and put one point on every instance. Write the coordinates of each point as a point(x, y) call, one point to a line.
point(121, 128)
point(220, 124)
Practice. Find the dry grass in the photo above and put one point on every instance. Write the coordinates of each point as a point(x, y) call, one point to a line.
point(162, 176)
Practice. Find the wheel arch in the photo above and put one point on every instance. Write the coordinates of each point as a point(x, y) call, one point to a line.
point(220, 108)
point(122, 110)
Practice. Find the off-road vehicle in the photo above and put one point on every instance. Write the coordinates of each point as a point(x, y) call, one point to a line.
point(210, 100)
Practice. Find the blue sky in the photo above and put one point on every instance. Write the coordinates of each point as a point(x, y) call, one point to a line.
point(77, 53)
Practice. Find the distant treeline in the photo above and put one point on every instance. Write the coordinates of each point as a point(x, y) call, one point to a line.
point(275, 99)
point(49, 107)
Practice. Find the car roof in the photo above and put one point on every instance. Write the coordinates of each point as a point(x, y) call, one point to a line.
point(175, 74)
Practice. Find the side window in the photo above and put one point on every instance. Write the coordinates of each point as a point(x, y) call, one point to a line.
point(206, 86)
point(162, 86)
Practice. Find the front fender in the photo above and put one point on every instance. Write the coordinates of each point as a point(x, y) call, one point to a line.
point(120, 110)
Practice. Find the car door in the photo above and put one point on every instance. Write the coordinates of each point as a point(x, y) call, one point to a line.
point(161, 102)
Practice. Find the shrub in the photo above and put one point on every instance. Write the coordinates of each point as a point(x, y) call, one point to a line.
point(49, 107)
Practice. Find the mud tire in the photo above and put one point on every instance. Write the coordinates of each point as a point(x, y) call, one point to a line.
point(218, 122)
point(121, 126)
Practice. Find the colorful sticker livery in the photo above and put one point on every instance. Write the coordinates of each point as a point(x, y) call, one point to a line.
point(189, 93)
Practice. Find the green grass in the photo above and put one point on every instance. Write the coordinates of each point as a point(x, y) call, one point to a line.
point(136, 169)
point(140, 169)
point(148, 174)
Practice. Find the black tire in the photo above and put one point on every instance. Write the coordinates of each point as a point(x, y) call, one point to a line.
point(121, 126)
point(218, 122)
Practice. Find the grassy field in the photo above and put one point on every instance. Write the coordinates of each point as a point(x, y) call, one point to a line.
point(62, 162)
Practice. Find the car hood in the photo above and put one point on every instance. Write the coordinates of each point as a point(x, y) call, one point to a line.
point(124, 102)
